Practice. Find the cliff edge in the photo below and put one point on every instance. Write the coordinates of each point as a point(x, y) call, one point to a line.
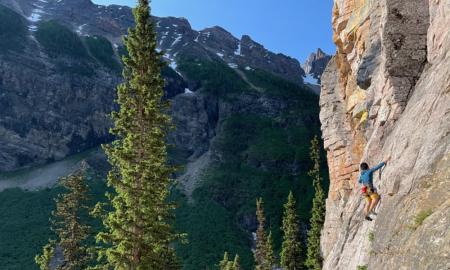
point(387, 93)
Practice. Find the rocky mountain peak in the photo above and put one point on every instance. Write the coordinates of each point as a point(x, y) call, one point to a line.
point(315, 64)
point(218, 40)
point(175, 35)
point(55, 70)
point(217, 30)
point(320, 54)
point(176, 22)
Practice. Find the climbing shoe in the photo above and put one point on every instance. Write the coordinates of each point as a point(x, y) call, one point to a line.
point(368, 218)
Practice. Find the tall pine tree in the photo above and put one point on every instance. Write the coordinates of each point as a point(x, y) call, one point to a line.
point(71, 232)
point(226, 264)
point(314, 258)
point(291, 249)
point(260, 251)
point(264, 258)
point(43, 260)
point(270, 256)
point(138, 233)
point(236, 263)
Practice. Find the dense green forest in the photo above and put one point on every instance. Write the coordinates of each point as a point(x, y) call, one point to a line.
point(262, 156)
point(214, 218)
point(259, 156)
point(25, 226)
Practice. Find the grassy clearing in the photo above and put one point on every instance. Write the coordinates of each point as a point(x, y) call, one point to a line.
point(215, 78)
point(102, 50)
point(58, 40)
point(277, 87)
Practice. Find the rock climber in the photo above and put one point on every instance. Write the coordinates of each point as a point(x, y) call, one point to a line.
point(369, 192)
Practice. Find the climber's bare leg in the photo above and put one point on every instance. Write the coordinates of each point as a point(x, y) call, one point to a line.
point(367, 207)
point(373, 204)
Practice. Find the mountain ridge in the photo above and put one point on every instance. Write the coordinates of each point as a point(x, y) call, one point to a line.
point(112, 22)
point(175, 37)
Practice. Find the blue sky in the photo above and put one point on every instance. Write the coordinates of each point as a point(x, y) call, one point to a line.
point(292, 27)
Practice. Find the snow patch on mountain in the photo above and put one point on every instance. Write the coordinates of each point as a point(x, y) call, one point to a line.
point(36, 14)
point(80, 29)
point(309, 78)
point(177, 39)
point(238, 50)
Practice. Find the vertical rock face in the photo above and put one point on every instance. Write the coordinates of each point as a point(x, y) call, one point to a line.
point(387, 93)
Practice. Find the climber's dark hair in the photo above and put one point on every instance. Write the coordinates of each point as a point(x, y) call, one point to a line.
point(364, 166)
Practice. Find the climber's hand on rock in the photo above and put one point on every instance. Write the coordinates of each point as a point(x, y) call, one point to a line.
point(386, 160)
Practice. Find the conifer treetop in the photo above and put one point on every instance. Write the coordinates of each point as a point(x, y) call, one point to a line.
point(138, 233)
point(291, 249)
point(314, 257)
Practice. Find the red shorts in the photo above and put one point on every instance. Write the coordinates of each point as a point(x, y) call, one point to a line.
point(364, 189)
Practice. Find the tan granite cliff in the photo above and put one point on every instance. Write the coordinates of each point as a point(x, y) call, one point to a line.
point(387, 93)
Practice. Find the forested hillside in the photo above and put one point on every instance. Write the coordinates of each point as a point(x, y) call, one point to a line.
point(243, 124)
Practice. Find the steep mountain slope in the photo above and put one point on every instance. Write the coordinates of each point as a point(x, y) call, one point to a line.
point(51, 65)
point(242, 114)
point(386, 93)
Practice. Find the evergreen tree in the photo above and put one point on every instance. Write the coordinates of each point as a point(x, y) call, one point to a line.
point(264, 258)
point(223, 264)
point(261, 245)
point(137, 231)
point(314, 258)
point(270, 256)
point(226, 264)
point(43, 260)
point(71, 232)
point(236, 263)
point(291, 249)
